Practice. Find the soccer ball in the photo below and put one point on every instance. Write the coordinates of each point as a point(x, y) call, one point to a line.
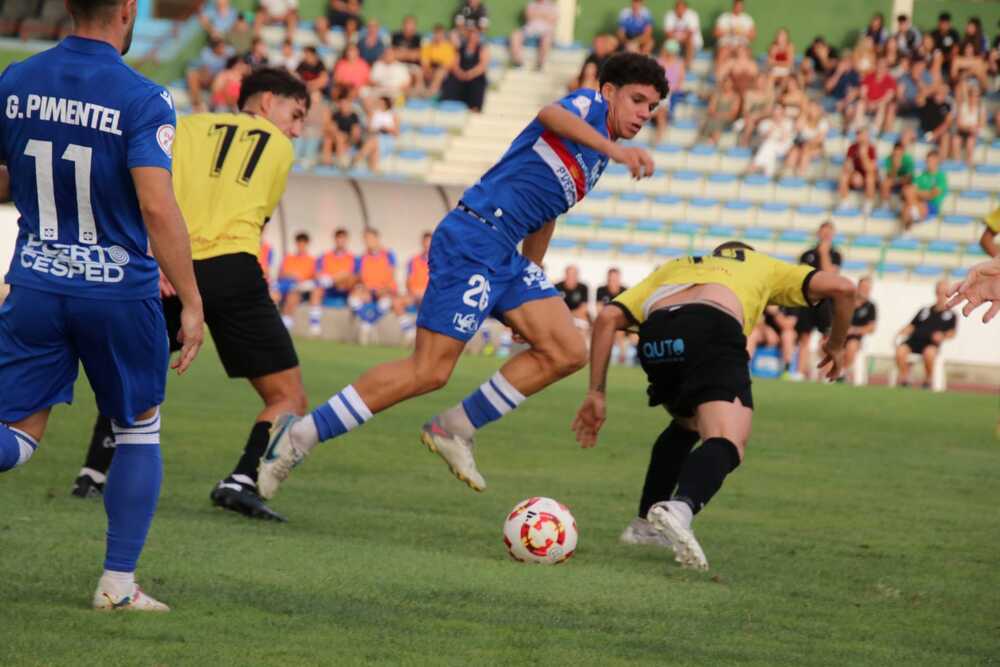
point(540, 530)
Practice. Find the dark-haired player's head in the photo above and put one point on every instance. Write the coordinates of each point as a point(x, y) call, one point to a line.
point(826, 231)
point(277, 95)
point(572, 276)
point(634, 85)
point(340, 239)
point(614, 278)
point(372, 241)
point(302, 243)
point(113, 18)
point(425, 241)
point(865, 288)
point(732, 245)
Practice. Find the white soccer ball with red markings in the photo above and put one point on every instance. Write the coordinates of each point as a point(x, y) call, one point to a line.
point(540, 530)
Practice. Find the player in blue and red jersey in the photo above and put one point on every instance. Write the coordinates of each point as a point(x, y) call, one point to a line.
point(477, 271)
point(87, 143)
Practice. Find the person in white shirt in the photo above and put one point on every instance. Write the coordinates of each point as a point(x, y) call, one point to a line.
point(289, 58)
point(390, 77)
point(683, 26)
point(733, 30)
point(277, 11)
point(540, 19)
point(779, 135)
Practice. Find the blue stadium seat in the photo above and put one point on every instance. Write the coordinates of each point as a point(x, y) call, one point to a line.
point(972, 202)
point(958, 228)
point(575, 227)
point(651, 230)
point(774, 214)
point(823, 193)
point(667, 207)
point(721, 232)
point(599, 202)
point(866, 248)
point(810, 216)
point(760, 238)
point(757, 188)
point(703, 209)
point(616, 178)
point(927, 272)
point(986, 177)
point(686, 183)
point(632, 205)
point(597, 247)
point(702, 158)
point(634, 249)
point(888, 270)
point(668, 156)
point(959, 273)
point(668, 253)
point(855, 266)
point(734, 160)
point(561, 244)
point(907, 251)
point(613, 229)
point(791, 190)
point(737, 212)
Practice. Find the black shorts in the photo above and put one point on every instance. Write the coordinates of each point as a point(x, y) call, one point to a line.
point(249, 336)
point(818, 318)
point(694, 354)
point(918, 345)
point(771, 322)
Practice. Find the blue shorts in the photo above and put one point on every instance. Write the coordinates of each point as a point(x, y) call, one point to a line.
point(473, 275)
point(44, 337)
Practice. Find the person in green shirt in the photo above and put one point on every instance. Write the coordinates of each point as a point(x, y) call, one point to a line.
point(898, 169)
point(922, 198)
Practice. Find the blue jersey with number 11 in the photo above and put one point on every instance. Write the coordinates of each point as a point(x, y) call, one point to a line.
point(75, 120)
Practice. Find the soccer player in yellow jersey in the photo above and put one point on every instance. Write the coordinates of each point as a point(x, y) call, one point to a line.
point(989, 238)
point(229, 173)
point(693, 316)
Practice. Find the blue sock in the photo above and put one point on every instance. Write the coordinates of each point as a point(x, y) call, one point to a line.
point(315, 316)
point(131, 492)
point(16, 447)
point(494, 398)
point(343, 412)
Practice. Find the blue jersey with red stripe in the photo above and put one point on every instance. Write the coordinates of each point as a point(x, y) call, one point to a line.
point(542, 175)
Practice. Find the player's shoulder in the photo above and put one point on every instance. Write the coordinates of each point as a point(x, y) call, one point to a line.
point(584, 100)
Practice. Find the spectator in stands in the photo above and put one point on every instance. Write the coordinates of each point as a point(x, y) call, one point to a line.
point(257, 56)
point(577, 297)
point(335, 278)
point(389, 78)
point(540, 20)
point(824, 257)
point(922, 199)
point(793, 97)
point(741, 68)
point(780, 56)
point(226, 85)
point(407, 42)
point(307, 144)
point(269, 12)
point(935, 113)
point(974, 35)
point(241, 35)
point(472, 14)
point(418, 271)
point(876, 30)
point(345, 133)
point(218, 18)
point(844, 85)
point(811, 130)
point(590, 78)
point(723, 109)
point(675, 71)
point(289, 58)
point(635, 27)
point(897, 171)
point(312, 71)
point(370, 43)
point(203, 71)
point(437, 57)
point(907, 37)
point(382, 119)
point(915, 84)
point(924, 335)
point(343, 14)
point(878, 97)
point(607, 293)
point(602, 48)
point(758, 102)
point(733, 30)
point(351, 72)
point(967, 65)
point(296, 278)
point(684, 27)
point(778, 133)
point(466, 81)
point(376, 268)
point(14, 12)
point(51, 21)
point(863, 323)
point(822, 58)
point(945, 37)
point(860, 171)
point(970, 117)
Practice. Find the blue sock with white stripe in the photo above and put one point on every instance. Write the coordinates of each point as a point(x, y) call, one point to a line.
point(494, 398)
point(16, 447)
point(132, 491)
point(342, 413)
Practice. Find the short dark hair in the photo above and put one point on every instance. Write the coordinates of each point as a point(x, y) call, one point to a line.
point(426, 235)
point(944, 16)
point(281, 82)
point(88, 9)
point(902, 17)
point(302, 236)
point(732, 245)
point(623, 69)
point(340, 231)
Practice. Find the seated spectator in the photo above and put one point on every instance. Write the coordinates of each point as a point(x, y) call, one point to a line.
point(741, 68)
point(466, 81)
point(389, 78)
point(844, 85)
point(407, 42)
point(218, 18)
point(602, 48)
point(970, 117)
point(607, 293)
point(863, 323)
point(351, 72)
point(758, 102)
point(437, 57)
point(914, 85)
point(289, 58)
point(878, 98)
point(577, 297)
point(227, 83)
point(257, 56)
point(877, 31)
point(822, 58)
point(270, 12)
point(203, 71)
point(924, 335)
point(865, 55)
point(923, 197)
point(342, 14)
point(345, 133)
point(296, 278)
point(781, 56)
point(472, 14)
point(945, 37)
point(897, 171)
point(778, 134)
point(635, 27)
point(811, 129)
point(14, 12)
point(312, 71)
point(975, 36)
point(684, 27)
point(907, 37)
point(723, 109)
point(967, 65)
point(673, 67)
point(50, 20)
point(540, 19)
point(370, 44)
point(733, 30)
point(860, 171)
point(936, 115)
point(335, 278)
point(793, 97)
point(382, 119)
point(588, 78)
point(241, 35)
point(376, 268)
point(308, 143)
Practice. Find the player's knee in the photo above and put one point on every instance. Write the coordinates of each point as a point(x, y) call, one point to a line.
point(432, 378)
point(568, 356)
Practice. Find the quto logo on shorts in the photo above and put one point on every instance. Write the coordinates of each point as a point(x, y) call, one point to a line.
point(667, 349)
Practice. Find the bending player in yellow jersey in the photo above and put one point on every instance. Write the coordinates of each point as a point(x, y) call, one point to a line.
point(694, 315)
point(988, 240)
point(229, 173)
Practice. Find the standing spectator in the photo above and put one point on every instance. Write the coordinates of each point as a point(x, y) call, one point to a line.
point(351, 72)
point(914, 85)
point(289, 58)
point(877, 31)
point(758, 102)
point(780, 56)
point(844, 85)
point(824, 257)
point(860, 171)
point(370, 44)
point(335, 278)
point(540, 20)
point(418, 271)
point(723, 109)
point(878, 97)
point(907, 37)
point(342, 14)
point(924, 335)
point(970, 117)
point(897, 171)
point(311, 70)
point(437, 57)
point(778, 134)
point(607, 293)
point(810, 135)
point(466, 81)
point(635, 27)
point(269, 12)
point(389, 78)
point(344, 133)
point(945, 37)
point(936, 115)
point(576, 294)
point(863, 323)
point(922, 199)
point(733, 30)
point(684, 27)
point(673, 68)
point(296, 278)
point(202, 72)
point(218, 18)
point(472, 14)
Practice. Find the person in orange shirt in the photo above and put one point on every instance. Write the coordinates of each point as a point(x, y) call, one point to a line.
point(335, 277)
point(418, 272)
point(297, 277)
point(377, 267)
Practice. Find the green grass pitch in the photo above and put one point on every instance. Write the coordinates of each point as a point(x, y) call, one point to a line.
point(863, 528)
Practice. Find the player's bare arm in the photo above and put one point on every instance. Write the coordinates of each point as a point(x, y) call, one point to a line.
point(4, 184)
point(536, 245)
point(982, 285)
point(988, 242)
point(840, 290)
point(592, 413)
point(168, 237)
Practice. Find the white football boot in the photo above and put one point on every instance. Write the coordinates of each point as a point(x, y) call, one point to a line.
point(456, 452)
point(687, 551)
point(136, 601)
point(640, 531)
point(279, 458)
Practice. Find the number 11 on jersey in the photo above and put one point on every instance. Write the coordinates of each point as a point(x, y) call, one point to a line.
point(48, 216)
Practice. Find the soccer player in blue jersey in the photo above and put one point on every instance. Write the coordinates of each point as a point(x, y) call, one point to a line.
point(87, 143)
point(476, 270)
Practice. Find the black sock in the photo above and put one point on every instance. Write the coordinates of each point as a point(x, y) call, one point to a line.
point(665, 463)
point(256, 444)
point(102, 446)
point(704, 472)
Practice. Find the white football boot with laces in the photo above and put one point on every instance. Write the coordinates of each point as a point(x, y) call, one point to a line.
point(687, 551)
point(456, 452)
point(640, 531)
point(279, 458)
point(135, 601)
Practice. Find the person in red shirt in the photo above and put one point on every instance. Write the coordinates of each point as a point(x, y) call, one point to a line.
point(878, 97)
point(860, 171)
